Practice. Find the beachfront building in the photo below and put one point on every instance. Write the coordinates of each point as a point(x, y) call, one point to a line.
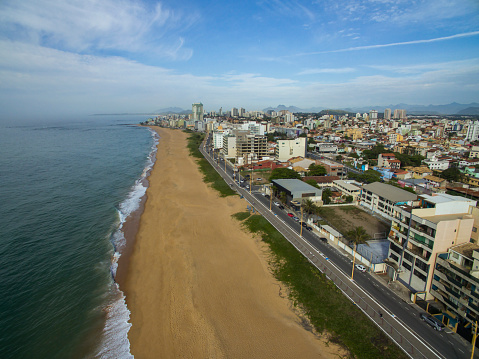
point(381, 198)
point(248, 147)
point(229, 146)
point(422, 230)
point(455, 284)
point(197, 109)
point(298, 191)
point(286, 149)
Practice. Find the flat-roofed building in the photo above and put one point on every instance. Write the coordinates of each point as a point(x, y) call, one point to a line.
point(333, 168)
point(347, 188)
point(297, 190)
point(381, 198)
point(285, 149)
point(419, 232)
point(455, 284)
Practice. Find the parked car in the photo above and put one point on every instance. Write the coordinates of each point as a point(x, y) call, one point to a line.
point(281, 207)
point(360, 268)
point(296, 218)
point(291, 215)
point(304, 224)
point(432, 321)
point(277, 204)
point(259, 179)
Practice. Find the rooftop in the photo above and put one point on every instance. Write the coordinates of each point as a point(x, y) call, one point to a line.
point(465, 249)
point(391, 193)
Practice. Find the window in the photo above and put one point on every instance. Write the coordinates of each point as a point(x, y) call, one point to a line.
point(421, 265)
point(408, 257)
point(474, 229)
point(407, 266)
point(420, 275)
point(395, 257)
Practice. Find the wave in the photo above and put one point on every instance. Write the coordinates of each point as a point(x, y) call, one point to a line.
point(114, 343)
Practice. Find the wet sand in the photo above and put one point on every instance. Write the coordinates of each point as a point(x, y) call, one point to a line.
point(198, 286)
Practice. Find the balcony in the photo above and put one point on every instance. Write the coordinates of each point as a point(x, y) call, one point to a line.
point(423, 240)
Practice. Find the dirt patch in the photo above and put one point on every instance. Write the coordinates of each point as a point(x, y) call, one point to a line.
point(346, 218)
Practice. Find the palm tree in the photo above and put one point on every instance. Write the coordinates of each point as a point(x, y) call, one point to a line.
point(358, 235)
point(309, 207)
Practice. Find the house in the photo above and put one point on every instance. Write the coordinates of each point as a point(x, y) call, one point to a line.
point(322, 181)
point(434, 181)
point(388, 160)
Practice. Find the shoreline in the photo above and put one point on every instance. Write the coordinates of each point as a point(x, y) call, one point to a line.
point(198, 285)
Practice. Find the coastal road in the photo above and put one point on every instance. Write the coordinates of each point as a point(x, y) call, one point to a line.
point(399, 320)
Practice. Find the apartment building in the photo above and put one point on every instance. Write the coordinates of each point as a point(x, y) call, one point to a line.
point(286, 149)
point(455, 284)
point(347, 188)
point(381, 198)
point(421, 231)
point(333, 168)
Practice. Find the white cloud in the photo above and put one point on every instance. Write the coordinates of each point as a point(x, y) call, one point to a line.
point(96, 25)
point(326, 71)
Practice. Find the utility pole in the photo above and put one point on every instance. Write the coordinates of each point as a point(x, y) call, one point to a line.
point(474, 336)
point(354, 261)
point(301, 223)
point(270, 198)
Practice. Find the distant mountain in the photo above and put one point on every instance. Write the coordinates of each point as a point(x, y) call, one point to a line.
point(449, 109)
point(469, 111)
point(167, 110)
point(283, 108)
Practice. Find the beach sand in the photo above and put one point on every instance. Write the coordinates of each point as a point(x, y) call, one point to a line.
point(198, 286)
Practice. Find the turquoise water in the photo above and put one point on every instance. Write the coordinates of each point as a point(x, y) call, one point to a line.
point(65, 190)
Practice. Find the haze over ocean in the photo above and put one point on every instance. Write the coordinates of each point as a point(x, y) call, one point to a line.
point(65, 189)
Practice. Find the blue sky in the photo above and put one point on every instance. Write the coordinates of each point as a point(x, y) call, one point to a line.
point(109, 56)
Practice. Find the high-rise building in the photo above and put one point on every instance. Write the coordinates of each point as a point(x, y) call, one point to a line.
point(473, 132)
point(234, 112)
point(399, 114)
point(387, 113)
point(241, 112)
point(373, 115)
point(197, 109)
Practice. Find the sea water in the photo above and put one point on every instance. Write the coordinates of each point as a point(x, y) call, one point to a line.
point(66, 189)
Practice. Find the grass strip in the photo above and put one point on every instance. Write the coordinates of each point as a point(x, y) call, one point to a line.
point(209, 173)
point(319, 298)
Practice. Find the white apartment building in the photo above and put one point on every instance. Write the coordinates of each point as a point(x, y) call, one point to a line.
point(285, 149)
point(473, 132)
point(197, 109)
point(435, 164)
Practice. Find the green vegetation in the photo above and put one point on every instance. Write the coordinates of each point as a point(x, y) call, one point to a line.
point(358, 235)
point(326, 196)
point(368, 176)
point(316, 170)
point(241, 216)
point(209, 173)
point(282, 172)
point(452, 174)
point(319, 298)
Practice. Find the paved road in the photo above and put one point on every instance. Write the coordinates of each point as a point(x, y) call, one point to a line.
point(399, 320)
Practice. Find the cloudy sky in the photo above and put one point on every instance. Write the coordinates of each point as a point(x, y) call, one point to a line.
point(109, 56)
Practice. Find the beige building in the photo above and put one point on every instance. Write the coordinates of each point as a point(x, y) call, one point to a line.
point(286, 149)
point(419, 232)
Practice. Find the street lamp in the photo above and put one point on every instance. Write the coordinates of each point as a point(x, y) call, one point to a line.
point(354, 261)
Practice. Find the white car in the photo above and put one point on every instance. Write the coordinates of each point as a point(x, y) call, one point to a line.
point(360, 268)
point(277, 204)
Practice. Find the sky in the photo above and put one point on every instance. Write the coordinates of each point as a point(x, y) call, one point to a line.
point(81, 57)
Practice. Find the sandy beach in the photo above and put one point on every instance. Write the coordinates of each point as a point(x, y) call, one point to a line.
point(198, 286)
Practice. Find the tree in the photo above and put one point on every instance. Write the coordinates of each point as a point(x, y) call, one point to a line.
point(349, 199)
point(317, 170)
point(354, 155)
point(281, 173)
point(326, 196)
point(339, 158)
point(374, 152)
point(309, 207)
point(312, 182)
point(452, 174)
point(358, 235)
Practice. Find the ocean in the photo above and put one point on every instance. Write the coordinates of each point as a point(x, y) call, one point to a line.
point(66, 189)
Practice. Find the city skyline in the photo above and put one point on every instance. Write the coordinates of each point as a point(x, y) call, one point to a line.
point(137, 56)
